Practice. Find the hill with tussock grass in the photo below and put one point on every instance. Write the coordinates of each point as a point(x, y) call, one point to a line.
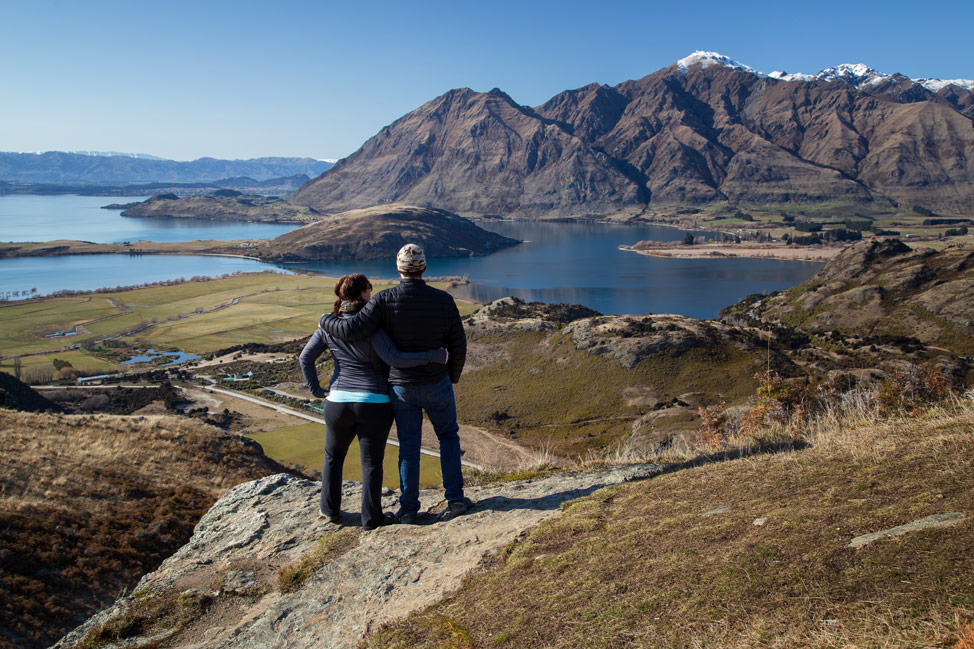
point(90, 503)
point(379, 232)
point(862, 538)
point(560, 378)
point(884, 290)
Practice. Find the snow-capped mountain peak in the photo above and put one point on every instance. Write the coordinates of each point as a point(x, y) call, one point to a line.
point(858, 75)
point(935, 85)
point(707, 59)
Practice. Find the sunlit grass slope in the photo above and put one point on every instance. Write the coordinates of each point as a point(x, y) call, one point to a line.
point(746, 553)
point(575, 401)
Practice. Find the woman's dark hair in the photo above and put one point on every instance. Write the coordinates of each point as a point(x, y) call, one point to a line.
point(349, 288)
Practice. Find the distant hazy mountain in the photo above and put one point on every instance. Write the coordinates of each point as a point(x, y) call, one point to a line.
point(96, 167)
point(110, 154)
point(706, 128)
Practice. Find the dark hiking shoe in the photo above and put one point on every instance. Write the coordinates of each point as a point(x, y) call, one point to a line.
point(387, 519)
point(456, 508)
point(406, 519)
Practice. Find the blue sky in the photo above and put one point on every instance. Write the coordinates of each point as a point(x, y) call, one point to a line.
point(293, 78)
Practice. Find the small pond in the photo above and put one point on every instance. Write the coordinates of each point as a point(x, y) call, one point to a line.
point(150, 354)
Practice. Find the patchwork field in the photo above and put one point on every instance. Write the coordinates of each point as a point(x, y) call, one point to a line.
point(195, 317)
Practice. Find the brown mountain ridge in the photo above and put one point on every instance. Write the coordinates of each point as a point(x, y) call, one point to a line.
point(686, 134)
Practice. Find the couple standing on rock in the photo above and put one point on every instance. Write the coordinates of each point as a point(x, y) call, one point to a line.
point(416, 330)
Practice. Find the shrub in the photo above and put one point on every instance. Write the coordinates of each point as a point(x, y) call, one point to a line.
point(713, 419)
point(911, 389)
point(808, 226)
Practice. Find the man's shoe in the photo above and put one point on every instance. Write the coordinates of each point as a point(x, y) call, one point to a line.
point(404, 518)
point(456, 508)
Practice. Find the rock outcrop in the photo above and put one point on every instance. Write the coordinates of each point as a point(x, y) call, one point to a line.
point(229, 568)
point(631, 339)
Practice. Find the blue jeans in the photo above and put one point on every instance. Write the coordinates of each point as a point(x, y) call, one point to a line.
point(408, 404)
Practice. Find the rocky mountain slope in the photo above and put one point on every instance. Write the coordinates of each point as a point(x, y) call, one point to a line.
point(379, 232)
point(883, 288)
point(62, 167)
point(89, 503)
point(230, 569)
point(704, 129)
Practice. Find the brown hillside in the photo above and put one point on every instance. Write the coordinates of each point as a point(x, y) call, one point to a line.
point(883, 287)
point(90, 503)
point(379, 232)
point(474, 153)
point(691, 135)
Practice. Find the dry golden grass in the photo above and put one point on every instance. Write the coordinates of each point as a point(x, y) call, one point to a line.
point(659, 563)
point(90, 503)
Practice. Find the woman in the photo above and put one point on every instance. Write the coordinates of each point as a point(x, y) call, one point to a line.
point(358, 402)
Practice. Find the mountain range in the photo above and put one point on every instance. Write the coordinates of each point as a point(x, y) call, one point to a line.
point(704, 129)
point(95, 167)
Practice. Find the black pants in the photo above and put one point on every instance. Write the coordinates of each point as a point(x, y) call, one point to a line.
point(370, 422)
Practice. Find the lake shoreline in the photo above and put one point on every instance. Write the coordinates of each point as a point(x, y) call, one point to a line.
point(64, 247)
point(680, 250)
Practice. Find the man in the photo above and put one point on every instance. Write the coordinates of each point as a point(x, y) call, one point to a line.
point(417, 317)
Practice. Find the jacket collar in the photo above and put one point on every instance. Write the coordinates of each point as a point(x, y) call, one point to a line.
point(412, 281)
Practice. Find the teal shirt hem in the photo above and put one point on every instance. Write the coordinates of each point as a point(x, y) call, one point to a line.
point(344, 396)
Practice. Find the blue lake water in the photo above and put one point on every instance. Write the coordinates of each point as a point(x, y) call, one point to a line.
point(45, 218)
point(559, 262)
point(90, 272)
point(580, 263)
point(149, 354)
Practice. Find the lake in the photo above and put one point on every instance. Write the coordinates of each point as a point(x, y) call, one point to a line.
point(559, 262)
point(580, 263)
point(44, 218)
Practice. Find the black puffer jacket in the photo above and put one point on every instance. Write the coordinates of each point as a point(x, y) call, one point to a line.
point(417, 318)
point(361, 365)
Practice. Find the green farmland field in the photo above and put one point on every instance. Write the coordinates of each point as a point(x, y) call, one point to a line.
point(196, 317)
point(305, 445)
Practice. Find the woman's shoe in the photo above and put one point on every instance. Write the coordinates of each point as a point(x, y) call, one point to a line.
point(332, 518)
point(387, 519)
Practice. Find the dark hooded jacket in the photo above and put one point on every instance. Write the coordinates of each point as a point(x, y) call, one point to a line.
point(418, 318)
